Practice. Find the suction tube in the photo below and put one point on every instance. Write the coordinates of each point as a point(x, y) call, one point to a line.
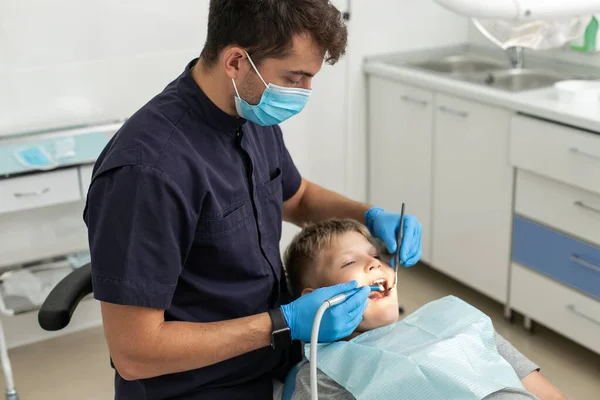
point(314, 340)
point(314, 336)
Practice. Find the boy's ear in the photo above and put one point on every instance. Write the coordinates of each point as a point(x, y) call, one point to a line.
point(307, 291)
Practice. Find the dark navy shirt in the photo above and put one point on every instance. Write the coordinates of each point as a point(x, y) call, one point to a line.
point(184, 214)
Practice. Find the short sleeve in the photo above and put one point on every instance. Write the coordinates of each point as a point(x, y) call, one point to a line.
point(291, 178)
point(521, 364)
point(140, 229)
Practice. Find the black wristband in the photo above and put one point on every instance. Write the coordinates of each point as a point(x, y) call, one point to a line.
point(281, 335)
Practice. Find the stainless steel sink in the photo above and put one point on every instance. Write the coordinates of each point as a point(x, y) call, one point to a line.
point(459, 64)
point(487, 71)
point(517, 80)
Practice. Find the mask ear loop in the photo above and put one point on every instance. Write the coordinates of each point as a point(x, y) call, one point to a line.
point(255, 69)
point(235, 88)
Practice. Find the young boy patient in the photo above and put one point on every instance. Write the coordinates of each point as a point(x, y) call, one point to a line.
point(338, 251)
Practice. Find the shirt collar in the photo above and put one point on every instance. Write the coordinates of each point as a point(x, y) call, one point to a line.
point(203, 106)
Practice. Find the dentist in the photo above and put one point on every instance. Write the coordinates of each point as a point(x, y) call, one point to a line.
point(185, 212)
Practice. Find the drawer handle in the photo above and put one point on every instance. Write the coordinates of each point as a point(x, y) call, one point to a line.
point(581, 204)
point(37, 193)
point(462, 114)
point(574, 310)
point(413, 100)
point(584, 263)
point(576, 151)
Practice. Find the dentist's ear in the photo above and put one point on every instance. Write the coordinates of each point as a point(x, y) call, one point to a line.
point(233, 61)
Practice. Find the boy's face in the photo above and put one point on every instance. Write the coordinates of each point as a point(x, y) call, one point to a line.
point(351, 256)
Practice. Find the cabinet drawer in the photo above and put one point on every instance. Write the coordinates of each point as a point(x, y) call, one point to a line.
point(85, 176)
point(39, 190)
point(563, 207)
point(564, 310)
point(566, 154)
point(557, 255)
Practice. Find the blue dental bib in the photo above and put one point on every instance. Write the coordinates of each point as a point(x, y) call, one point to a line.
point(446, 350)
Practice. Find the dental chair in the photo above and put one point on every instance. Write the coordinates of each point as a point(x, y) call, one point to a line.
point(58, 308)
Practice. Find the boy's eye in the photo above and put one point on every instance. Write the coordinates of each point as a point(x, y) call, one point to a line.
point(348, 264)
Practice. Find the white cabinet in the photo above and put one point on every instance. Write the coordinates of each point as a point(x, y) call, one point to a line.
point(39, 190)
point(472, 194)
point(561, 308)
point(400, 140)
point(560, 206)
point(556, 151)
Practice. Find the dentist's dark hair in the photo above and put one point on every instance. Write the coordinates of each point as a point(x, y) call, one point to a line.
point(265, 28)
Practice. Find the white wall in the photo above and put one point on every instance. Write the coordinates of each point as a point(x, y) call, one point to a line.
point(385, 26)
point(70, 62)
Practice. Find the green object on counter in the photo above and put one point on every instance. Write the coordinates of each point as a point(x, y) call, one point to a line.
point(589, 42)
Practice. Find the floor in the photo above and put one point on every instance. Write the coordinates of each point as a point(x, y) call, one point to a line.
point(76, 367)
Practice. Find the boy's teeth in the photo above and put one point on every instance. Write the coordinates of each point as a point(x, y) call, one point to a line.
point(382, 283)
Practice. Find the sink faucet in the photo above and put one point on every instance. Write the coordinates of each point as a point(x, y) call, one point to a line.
point(516, 56)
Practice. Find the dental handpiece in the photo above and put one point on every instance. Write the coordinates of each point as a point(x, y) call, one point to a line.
point(340, 298)
point(377, 288)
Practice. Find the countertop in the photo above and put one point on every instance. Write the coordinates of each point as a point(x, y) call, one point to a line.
point(542, 103)
point(85, 144)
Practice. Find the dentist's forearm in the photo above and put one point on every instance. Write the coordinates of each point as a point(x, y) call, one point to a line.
point(317, 204)
point(142, 346)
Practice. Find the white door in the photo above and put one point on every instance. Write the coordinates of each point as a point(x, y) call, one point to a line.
point(472, 194)
point(316, 138)
point(400, 140)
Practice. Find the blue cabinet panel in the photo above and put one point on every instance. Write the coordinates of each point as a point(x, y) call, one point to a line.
point(564, 258)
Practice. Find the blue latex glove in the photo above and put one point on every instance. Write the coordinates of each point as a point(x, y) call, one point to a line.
point(338, 321)
point(384, 225)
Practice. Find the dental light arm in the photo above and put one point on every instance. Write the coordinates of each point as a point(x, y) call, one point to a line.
point(521, 10)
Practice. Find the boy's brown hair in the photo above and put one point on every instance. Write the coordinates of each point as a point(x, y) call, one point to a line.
point(308, 244)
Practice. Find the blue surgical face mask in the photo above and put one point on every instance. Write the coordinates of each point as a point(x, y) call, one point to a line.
point(277, 103)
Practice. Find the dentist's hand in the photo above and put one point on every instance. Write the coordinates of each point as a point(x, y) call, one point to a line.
point(338, 321)
point(384, 225)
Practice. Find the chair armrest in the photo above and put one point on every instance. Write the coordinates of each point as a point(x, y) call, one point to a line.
point(56, 312)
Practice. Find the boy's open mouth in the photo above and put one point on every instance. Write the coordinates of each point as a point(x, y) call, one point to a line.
point(377, 295)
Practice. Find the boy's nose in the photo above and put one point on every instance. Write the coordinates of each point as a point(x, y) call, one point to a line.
point(374, 264)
